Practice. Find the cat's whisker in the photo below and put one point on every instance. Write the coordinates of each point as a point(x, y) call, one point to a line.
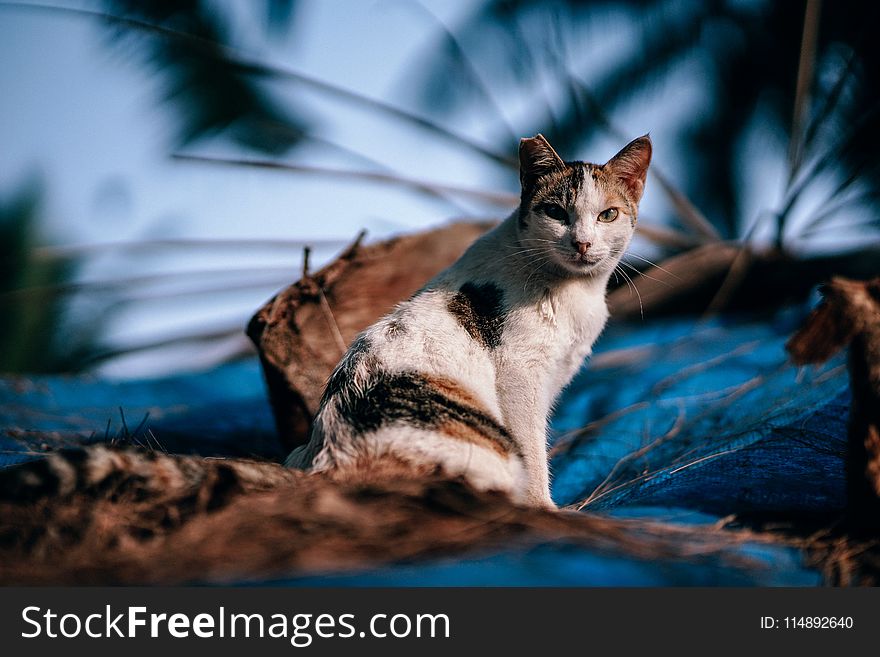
point(529, 279)
point(625, 280)
point(634, 288)
point(644, 275)
point(537, 239)
point(537, 264)
point(543, 255)
point(521, 252)
point(624, 274)
point(653, 264)
point(538, 243)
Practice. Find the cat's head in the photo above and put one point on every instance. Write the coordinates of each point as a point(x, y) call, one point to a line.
point(579, 217)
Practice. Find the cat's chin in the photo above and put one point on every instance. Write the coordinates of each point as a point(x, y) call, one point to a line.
point(580, 267)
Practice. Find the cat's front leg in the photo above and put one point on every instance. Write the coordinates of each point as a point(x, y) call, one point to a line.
point(525, 417)
point(537, 491)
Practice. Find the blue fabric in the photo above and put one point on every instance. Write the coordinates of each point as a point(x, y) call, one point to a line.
point(569, 565)
point(721, 424)
point(752, 433)
point(223, 412)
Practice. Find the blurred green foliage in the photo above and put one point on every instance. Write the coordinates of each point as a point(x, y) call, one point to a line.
point(31, 326)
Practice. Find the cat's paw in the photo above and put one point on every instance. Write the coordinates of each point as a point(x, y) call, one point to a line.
point(548, 504)
point(539, 500)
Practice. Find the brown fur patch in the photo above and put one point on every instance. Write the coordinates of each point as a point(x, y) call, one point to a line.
point(454, 391)
point(470, 434)
point(390, 467)
point(483, 436)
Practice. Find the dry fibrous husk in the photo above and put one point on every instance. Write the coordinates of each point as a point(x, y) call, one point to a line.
point(235, 520)
point(849, 315)
point(302, 332)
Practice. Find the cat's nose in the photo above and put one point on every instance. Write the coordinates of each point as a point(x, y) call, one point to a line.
point(582, 247)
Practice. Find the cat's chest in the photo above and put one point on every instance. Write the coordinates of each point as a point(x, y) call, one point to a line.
point(574, 315)
point(560, 324)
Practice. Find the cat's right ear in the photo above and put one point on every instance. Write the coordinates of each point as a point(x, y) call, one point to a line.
point(536, 158)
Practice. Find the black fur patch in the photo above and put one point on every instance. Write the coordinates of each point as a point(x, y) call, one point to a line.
point(28, 482)
point(410, 398)
point(394, 328)
point(479, 308)
point(576, 178)
point(222, 487)
point(37, 479)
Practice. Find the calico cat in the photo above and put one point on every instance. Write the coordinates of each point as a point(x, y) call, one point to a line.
point(462, 376)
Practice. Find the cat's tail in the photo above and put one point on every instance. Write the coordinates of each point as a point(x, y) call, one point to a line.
point(102, 470)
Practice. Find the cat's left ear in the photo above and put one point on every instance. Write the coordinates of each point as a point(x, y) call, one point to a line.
point(630, 165)
point(536, 158)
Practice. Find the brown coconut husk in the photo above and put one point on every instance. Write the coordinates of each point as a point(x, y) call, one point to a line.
point(302, 332)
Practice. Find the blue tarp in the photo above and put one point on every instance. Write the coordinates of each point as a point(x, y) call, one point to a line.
point(687, 421)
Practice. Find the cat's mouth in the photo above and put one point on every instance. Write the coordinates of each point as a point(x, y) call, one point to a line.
point(586, 260)
point(581, 263)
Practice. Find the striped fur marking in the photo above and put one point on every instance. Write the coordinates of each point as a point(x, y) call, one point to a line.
point(426, 403)
point(479, 308)
point(560, 186)
point(343, 374)
point(117, 473)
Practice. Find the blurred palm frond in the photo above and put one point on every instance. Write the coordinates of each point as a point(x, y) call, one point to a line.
point(744, 59)
point(212, 92)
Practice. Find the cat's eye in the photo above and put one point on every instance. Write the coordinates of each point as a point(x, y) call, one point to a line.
point(607, 216)
point(556, 211)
